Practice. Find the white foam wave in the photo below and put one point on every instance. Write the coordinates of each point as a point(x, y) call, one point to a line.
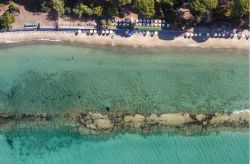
point(51, 40)
point(241, 111)
point(8, 41)
point(194, 45)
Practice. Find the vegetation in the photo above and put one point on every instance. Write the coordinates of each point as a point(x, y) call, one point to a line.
point(146, 8)
point(6, 20)
point(198, 11)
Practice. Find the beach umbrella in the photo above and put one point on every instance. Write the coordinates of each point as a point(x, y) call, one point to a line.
point(195, 34)
point(199, 34)
point(191, 34)
point(95, 31)
point(103, 32)
point(219, 34)
point(156, 32)
point(208, 34)
point(235, 35)
point(111, 32)
point(215, 34)
point(91, 31)
point(163, 21)
point(223, 34)
point(79, 31)
point(168, 25)
point(107, 31)
point(147, 33)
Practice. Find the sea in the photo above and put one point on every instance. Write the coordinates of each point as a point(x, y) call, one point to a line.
point(54, 78)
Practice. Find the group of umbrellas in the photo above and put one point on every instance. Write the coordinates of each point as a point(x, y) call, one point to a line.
point(218, 35)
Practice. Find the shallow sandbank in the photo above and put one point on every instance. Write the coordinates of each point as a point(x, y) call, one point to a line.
point(98, 123)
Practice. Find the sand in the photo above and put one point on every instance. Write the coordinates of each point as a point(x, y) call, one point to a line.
point(133, 41)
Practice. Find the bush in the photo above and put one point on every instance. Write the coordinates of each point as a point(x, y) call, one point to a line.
point(6, 20)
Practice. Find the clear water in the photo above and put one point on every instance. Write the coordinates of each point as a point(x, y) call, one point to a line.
point(59, 77)
point(41, 146)
point(54, 78)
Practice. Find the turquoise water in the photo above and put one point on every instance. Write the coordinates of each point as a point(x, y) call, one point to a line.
point(59, 77)
point(55, 78)
point(41, 146)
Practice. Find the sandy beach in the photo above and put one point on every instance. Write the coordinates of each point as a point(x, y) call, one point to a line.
point(135, 41)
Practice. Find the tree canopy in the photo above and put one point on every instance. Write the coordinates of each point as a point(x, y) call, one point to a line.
point(240, 7)
point(202, 6)
point(146, 8)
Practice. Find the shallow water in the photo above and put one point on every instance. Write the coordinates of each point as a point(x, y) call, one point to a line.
point(40, 146)
point(55, 78)
point(59, 77)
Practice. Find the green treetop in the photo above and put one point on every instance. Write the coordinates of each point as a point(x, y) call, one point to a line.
point(202, 6)
point(58, 5)
point(146, 8)
point(240, 7)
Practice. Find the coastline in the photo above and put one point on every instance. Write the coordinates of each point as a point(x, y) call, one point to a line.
point(135, 41)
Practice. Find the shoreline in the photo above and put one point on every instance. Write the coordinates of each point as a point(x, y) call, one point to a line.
point(135, 41)
point(110, 122)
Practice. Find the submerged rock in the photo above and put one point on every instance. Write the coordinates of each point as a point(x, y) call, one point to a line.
point(103, 124)
point(174, 119)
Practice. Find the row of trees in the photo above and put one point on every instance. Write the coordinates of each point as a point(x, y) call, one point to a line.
point(146, 8)
point(163, 9)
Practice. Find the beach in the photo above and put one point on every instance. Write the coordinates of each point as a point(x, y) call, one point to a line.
point(137, 40)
